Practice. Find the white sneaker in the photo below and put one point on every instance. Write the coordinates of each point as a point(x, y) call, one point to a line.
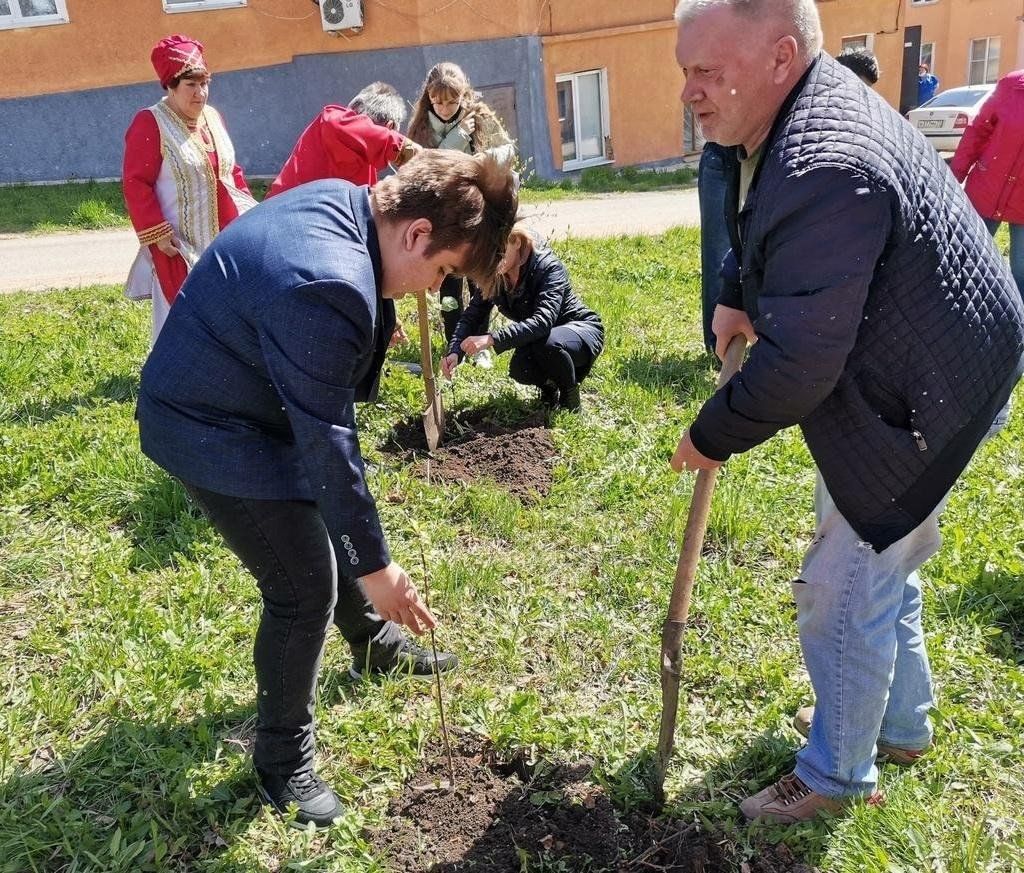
point(483, 359)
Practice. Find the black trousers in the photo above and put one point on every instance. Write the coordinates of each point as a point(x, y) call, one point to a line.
point(286, 547)
point(564, 357)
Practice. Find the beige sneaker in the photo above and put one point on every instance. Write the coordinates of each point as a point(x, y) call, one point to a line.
point(885, 754)
point(789, 800)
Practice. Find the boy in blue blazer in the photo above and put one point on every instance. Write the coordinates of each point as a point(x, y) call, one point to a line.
point(248, 399)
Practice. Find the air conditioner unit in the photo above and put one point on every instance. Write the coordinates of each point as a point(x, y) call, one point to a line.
point(341, 14)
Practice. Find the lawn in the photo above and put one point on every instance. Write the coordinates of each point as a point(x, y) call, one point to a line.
point(126, 626)
point(100, 205)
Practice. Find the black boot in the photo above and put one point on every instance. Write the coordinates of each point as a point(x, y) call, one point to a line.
point(549, 394)
point(569, 398)
point(406, 659)
point(313, 798)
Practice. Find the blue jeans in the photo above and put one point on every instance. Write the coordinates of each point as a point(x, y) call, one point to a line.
point(1016, 249)
point(859, 617)
point(714, 237)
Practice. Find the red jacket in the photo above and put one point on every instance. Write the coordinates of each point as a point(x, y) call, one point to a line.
point(991, 154)
point(339, 144)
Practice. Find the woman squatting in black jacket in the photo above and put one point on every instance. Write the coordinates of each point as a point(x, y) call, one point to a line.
point(556, 338)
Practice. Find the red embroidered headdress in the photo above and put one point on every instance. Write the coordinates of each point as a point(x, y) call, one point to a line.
point(176, 55)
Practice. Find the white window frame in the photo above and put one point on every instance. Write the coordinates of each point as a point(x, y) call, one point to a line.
point(605, 119)
point(16, 19)
point(931, 60)
point(970, 63)
point(868, 38)
point(201, 5)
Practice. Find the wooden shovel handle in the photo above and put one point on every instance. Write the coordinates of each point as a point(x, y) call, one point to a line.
point(700, 507)
point(426, 352)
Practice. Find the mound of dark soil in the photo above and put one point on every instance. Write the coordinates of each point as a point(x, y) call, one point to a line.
point(478, 447)
point(507, 816)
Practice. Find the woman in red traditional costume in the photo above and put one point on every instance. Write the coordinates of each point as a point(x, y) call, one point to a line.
point(181, 183)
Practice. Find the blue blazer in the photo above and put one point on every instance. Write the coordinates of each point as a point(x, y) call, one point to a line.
point(279, 329)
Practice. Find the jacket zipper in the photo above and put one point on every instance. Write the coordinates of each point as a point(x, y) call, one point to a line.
point(922, 446)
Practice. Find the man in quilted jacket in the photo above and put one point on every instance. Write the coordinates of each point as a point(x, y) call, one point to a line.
point(885, 324)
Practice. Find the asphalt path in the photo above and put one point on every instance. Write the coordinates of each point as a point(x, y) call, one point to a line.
point(34, 262)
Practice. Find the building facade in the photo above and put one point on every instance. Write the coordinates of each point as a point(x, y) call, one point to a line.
point(964, 42)
point(563, 74)
point(579, 83)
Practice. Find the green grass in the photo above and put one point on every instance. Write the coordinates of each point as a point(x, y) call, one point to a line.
point(100, 205)
point(126, 626)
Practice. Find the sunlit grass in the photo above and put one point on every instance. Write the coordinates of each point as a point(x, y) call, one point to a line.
point(126, 626)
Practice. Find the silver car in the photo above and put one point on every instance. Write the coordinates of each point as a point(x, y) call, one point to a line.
point(943, 118)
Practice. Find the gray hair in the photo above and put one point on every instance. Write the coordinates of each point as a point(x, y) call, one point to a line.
point(801, 14)
point(381, 103)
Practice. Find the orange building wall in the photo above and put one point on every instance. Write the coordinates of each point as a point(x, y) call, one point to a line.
point(952, 24)
point(575, 16)
point(106, 44)
point(949, 24)
point(644, 84)
point(843, 18)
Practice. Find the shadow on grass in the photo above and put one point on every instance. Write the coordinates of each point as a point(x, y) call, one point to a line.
point(713, 800)
point(129, 799)
point(122, 388)
point(685, 375)
point(994, 598)
point(521, 812)
point(163, 524)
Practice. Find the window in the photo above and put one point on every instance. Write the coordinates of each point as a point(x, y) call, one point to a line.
point(928, 55)
point(860, 41)
point(984, 65)
point(195, 5)
point(30, 13)
point(583, 118)
point(693, 139)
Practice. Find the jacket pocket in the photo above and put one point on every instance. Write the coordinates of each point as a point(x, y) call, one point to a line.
point(885, 400)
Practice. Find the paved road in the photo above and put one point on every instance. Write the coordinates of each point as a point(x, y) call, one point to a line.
point(92, 257)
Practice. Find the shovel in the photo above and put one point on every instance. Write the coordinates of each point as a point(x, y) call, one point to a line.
point(682, 588)
point(433, 414)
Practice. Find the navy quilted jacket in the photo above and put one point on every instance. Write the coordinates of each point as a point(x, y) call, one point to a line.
point(889, 327)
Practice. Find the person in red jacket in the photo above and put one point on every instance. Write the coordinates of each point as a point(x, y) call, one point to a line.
point(991, 158)
point(181, 183)
point(352, 142)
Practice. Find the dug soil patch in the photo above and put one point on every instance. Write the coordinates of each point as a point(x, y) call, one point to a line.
point(518, 456)
point(510, 816)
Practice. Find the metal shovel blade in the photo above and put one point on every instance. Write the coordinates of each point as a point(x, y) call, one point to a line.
point(433, 414)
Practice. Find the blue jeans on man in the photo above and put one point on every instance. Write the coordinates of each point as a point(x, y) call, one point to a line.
point(714, 236)
point(859, 618)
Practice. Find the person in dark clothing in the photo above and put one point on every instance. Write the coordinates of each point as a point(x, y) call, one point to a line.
point(714, 236)
point(885, 324)
point(248, 398)
point(556, 338)
point(861, 62)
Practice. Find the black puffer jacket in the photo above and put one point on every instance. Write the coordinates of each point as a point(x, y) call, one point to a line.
point(890, 329)
point(542, 299)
